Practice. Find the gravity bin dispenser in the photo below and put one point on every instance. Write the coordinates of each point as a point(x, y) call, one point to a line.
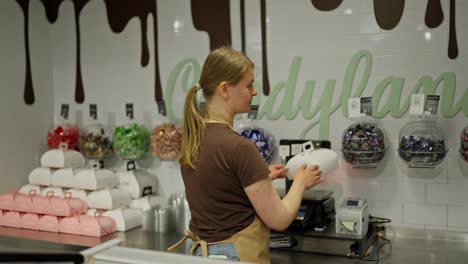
point(313, 231)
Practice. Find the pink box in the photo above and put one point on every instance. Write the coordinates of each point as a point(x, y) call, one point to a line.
point(30, 221)
point(49, 223)
point(95, 226)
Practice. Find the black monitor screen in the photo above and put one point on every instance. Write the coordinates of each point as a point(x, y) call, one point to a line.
point(352, 203)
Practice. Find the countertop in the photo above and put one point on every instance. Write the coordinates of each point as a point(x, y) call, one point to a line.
point(408, 245)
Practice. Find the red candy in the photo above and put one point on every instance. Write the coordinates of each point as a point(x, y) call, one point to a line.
point(69, 134)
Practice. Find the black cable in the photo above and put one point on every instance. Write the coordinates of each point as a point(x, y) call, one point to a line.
point(378, 220)
point(387, 242)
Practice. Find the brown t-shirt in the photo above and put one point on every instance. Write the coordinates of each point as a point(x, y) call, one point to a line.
point(227, 163)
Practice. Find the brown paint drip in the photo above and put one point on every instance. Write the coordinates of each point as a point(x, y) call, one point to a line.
point(119, 13)
point(52, 7)
point(326, 5)
point(79, 90)
point(266, 79)
point(453, 44)
point(214, 17)
point(388, 12)
point(434, 14)
point(242, 20)
point(28, 95)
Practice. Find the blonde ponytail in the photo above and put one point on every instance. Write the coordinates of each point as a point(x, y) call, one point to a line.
point(192, 129)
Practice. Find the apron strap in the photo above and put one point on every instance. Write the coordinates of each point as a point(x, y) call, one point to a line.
point(197, 241)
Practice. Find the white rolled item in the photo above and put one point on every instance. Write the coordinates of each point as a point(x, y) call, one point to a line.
point(325, 159)
point(125, 218)
point(138, 183)
point(95, 179)
point(109, 199)
point(41, 176)
point(61, 158)
point(148, 202)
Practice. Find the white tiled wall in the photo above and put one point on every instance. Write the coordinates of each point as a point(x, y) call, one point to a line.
point(325, 42)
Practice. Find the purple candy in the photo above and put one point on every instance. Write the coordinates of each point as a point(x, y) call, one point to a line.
point(464, 143)
point(363, 143)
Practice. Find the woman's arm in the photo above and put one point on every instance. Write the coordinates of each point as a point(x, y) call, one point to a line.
point(276, 213)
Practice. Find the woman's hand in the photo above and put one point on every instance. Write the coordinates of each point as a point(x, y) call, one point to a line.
point(308, 176)
point(277, 171)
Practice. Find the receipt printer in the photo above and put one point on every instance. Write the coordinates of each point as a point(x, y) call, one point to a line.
point(352, 217)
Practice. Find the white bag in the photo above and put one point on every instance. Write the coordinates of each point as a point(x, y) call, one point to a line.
point(148, 202)
point(62, 158)
point(41, 176)
point(125, 218)
point(109, 199)
point(325, 159)
point(76, 193)
point(64, 177)
point(138, 183)
point(95, 179)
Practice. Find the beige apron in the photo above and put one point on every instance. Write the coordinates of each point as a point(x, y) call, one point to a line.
point(251, 243)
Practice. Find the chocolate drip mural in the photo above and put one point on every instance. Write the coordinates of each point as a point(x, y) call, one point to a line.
point(52, 7)
point(119, 13)
point(216, 22)
point(453, 44)
point(434, 14)
point(326, 5)
point(242, 20)
point(218, 26)
point(388, 12)
point(266, 79)
point(28, 94)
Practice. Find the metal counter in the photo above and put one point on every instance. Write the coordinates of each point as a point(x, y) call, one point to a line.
point(409, 245)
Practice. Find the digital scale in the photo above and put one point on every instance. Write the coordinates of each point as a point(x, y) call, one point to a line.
point(320, 229)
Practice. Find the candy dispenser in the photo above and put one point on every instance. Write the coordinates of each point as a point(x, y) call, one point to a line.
point(363, 145)
point(96, 140)
point(166, 141)
point(464, 143)
point(422, 144)
point(131, 141)
point(64, 132)
point(261, 137)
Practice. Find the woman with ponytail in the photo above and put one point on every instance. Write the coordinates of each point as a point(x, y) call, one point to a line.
point(228, 186)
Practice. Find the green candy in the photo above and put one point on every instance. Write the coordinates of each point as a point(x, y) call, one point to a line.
point(131, 142)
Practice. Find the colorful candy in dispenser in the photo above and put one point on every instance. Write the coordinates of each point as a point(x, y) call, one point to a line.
point(363, 143)
point(96, 142)
point(131, 142)
point(422, 143)
point(64, 133)
point(166, 141)
point(262, 138)
point(464, 143)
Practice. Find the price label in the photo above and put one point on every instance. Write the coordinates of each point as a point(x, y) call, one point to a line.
point(129, 111)
point(162, 108)
point(417, 104)
point(284, 151)
point(296, 149)
point(253, 113)
point(432, 104)
point(64, 111)
point(354, 107)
